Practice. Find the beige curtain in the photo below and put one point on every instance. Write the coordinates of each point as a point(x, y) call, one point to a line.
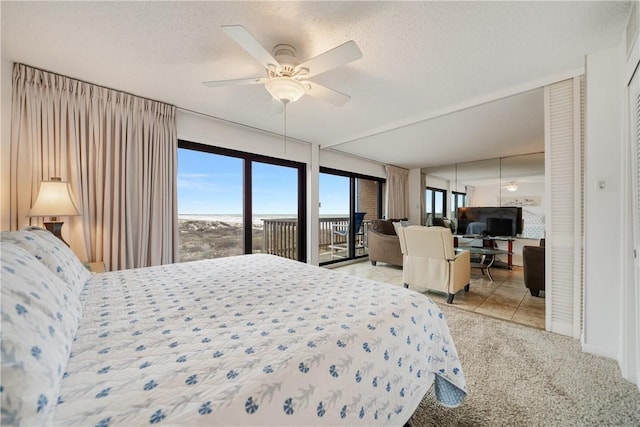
point(117, 151)
point(397, 192)
point(471, 192)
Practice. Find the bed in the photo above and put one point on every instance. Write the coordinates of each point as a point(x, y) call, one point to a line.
point(246, 340)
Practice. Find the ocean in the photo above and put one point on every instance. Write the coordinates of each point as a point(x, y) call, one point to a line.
point(237, 219)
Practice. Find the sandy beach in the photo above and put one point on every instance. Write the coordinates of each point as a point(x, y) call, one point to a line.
point(202, 238)
point(216, 236)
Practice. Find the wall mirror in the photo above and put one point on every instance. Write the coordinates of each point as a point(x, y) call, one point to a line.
point(516, 181)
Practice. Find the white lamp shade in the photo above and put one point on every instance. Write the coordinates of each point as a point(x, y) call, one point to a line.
point(54, 199)
point(285, 89)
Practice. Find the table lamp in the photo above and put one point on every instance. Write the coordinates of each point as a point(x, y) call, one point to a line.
point(54, 200)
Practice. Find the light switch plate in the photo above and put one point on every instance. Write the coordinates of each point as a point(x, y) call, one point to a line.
point(601, 184)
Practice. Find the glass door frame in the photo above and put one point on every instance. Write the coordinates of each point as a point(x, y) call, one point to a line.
point(455, 197)
point(351, 250)
point(433, 203)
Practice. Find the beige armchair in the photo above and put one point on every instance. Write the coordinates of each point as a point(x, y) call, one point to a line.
point(430, 261)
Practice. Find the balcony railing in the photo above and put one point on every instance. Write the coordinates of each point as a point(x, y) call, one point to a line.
point(281, 235)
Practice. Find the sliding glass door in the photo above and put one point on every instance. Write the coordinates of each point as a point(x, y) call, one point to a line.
point(458, 200)
point(435, 204)
point(275, 209)
point(232, 203)
point(334, 217)
point(348, 203)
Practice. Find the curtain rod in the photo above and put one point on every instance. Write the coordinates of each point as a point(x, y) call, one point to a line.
point(95, 84)
point(162, 102)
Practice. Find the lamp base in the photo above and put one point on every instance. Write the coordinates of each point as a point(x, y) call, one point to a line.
point(55, 227)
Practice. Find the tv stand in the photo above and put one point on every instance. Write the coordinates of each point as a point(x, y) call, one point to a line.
point(490, 242)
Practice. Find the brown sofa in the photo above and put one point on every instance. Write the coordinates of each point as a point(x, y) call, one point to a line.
point(383, 242)
point(533, 268)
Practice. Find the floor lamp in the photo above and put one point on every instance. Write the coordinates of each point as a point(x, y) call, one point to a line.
point(54, 200)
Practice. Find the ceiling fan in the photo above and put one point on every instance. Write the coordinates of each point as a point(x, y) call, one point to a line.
point(286, 79)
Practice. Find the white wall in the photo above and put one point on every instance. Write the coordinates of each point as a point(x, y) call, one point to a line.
point(415, 196)
point(206, 130)
point(6, 72)
point(604, 160)
point(486, 195)
point(335, 160)
point(435, 182)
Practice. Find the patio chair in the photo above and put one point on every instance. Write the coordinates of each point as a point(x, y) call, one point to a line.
point(340, 234)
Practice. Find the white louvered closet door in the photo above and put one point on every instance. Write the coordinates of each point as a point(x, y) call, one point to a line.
point(564, 195)
point(634, 115)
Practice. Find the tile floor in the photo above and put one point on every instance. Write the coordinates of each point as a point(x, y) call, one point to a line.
point(505, 298)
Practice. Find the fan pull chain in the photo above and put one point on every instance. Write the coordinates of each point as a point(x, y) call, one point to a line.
point(285, 127)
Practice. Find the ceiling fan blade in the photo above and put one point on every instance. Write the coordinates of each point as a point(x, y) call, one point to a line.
point(326, 94)
point(236, 82)
point(251, 45)
point(333, 58)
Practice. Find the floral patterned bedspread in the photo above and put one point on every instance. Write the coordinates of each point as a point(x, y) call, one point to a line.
point(253, 340)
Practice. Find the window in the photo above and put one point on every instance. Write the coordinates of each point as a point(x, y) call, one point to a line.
point(346, 199)
point(210, 219)
point(435, 204)
point(458, 200)
point(232, 203)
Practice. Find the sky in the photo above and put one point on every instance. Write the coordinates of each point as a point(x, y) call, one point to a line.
point(212, 184)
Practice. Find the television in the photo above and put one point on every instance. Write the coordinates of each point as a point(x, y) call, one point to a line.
point(499, 227)
point(489, 221)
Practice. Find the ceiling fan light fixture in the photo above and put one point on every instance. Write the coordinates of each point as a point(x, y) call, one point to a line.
point(285, 89)
point(512, 186)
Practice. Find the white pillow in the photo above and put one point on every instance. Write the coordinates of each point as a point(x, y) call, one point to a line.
point(39, 321)
point(53, 253)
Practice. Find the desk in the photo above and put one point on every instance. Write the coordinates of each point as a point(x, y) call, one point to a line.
point(487, 257)
point(489, 242)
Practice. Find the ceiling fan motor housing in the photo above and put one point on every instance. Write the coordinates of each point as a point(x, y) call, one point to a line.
point(286, 55)
point(285, 89)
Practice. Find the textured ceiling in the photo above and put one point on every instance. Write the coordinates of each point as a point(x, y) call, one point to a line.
point(424, 63)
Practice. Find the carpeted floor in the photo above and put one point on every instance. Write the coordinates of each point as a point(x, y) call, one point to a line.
point(521, 376)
